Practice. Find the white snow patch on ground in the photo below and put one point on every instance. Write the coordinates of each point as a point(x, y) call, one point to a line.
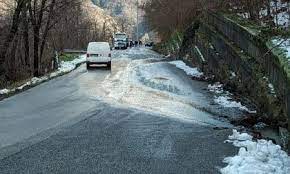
point(64, 67)
point(224, 98)
point(228, 102)
point(194, 72)
point(68, 66)
point(4, 91)
point(261, 157)
point(272, 89)
point(216, 88)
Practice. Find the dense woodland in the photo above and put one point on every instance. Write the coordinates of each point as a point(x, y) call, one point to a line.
point(167, 16)
point(33, 30)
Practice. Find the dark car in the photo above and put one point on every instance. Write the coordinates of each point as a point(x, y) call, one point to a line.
point(150, 44)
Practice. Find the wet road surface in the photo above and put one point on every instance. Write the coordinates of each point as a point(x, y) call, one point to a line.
point(70, 125)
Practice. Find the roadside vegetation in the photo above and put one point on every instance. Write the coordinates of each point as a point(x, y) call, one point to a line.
point(32, 31)
point(168, 16)
point(67, 57)
point(265, 24)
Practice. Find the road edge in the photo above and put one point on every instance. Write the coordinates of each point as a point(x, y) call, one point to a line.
point(27, 87)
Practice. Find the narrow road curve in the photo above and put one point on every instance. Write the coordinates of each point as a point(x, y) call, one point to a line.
point(102, 121)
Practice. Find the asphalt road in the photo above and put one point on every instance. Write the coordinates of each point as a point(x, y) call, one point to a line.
point(64, 126)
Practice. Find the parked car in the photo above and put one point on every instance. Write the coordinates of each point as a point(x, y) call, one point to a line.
point(99, 53)
point(121, 41)
point(149, 44)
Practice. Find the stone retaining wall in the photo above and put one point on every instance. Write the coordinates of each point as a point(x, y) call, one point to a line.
point(228, 47)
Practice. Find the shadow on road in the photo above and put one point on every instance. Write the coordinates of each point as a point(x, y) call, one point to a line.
point(99, 67)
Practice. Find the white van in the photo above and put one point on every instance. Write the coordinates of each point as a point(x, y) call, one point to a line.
point(121, 41)
point(99, 53)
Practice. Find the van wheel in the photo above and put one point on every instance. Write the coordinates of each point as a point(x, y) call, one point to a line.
point(109, 65)
point(88, 66)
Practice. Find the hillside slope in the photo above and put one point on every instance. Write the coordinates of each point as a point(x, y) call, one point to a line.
point(99, 18)
point(125, 13)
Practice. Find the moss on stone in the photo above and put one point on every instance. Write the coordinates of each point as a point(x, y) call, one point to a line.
point(281, 55)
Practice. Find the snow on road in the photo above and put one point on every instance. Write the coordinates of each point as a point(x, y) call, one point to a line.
point(152, 85)
point(261, 157)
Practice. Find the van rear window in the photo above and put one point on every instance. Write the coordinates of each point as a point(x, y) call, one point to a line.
point(99, 47)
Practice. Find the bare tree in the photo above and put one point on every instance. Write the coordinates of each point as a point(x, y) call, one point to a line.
point(31, 31)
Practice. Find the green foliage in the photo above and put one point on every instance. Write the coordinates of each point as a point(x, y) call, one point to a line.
point(263, 32)
point(67, 57)
point(282, 56)
point(172, 44)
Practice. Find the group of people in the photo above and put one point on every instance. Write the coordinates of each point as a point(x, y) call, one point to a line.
point(135, 43)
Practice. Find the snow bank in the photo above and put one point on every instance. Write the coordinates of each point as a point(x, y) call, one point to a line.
point(216, 88)
point(4, 91)
point(68, 66)
point(261, 157)
point(228, 102)
point(224, 98)
point(194, 72)
point(64, 67)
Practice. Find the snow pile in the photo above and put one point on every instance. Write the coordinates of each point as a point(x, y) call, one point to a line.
point(4, 91)
point(216, 88)
point(194, 72)
point(63, 68)
point(228, 102)
point(33, 81)
point(233, 75)
point(270, 86)
point(272, 89)
point(283, 44)
point(68, 66)
point(224, 98)
point(261, 157)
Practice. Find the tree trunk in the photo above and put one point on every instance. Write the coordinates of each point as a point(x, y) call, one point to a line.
point(10, 37)
point(26, 40)
point(47, 27)
point(36, 53)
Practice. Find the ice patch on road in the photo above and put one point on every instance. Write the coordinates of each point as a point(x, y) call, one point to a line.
point(194, 72)
point(261, 157)
point(157, 76)
point(154, 87)
point(135, 53)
